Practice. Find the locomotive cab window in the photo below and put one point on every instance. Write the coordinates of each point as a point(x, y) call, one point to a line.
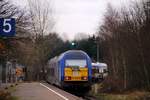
point(74, 62)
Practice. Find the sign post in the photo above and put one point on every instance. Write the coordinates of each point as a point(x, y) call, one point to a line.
point(7, 27)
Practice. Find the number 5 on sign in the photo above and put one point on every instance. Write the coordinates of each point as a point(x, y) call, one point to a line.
point(7, 27)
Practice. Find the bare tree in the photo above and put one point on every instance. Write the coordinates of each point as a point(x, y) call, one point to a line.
point(126, 38)
point(41, 17)
point(42, 22)
point(7, 9)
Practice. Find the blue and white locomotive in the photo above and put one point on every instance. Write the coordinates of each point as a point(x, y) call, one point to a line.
point(71, 68)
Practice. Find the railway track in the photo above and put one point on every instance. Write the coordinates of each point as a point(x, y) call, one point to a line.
point(82, 93)
point(87, 97)
point(79, 92)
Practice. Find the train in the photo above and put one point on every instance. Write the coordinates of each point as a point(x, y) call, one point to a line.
point(70, 69)
point(99, 71)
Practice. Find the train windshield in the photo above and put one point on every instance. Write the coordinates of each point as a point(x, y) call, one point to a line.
point(72, 63)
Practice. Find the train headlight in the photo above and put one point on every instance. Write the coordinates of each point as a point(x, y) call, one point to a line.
point(84, 78)
point(67, 78)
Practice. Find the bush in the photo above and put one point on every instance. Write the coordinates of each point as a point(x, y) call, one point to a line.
point(4, 95)
point(109, 85)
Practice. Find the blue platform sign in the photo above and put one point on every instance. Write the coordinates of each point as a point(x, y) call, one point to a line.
point(7, 27)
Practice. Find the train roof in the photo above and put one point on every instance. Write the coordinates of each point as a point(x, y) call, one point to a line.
point(61, 56)
point(53, 59)
point(72, 52)
point(98, 64)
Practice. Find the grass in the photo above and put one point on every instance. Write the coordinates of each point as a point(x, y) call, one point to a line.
point(130, 95)
point(14, 98)
point(137, 95)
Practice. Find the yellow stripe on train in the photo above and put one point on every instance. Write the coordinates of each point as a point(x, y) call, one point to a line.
point(76, 75)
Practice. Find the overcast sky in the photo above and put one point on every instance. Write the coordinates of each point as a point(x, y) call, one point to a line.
point(78, 16)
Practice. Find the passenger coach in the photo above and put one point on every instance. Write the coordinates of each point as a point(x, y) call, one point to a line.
point(71, 68)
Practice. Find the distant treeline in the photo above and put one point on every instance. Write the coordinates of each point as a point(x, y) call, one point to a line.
point(125, 36)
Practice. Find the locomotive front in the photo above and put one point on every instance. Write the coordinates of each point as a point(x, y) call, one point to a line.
point(77, 68)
